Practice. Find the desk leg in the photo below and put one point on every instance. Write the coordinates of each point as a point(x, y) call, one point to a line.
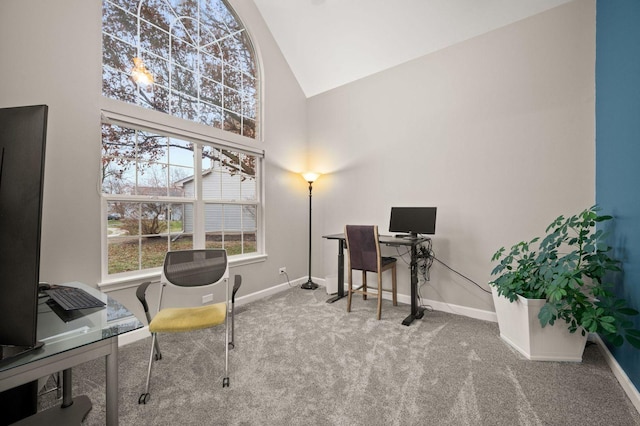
point(112, 383)
point(67, 397)
point(340, 273)
point(416, 311)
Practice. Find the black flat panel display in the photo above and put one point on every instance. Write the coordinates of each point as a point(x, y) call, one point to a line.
point(22, 153)
point(413, 220)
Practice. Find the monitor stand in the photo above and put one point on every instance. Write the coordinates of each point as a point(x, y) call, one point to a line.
point(411, 236)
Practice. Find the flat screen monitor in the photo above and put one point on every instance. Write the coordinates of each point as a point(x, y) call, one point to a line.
point(413, 220)
point(22, 145)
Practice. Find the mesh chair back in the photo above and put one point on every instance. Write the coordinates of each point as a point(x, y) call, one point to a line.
point(362, 244)
point(193, 268)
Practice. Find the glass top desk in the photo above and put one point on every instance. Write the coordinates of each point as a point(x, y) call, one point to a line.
point(67, 344)
point(416, 311)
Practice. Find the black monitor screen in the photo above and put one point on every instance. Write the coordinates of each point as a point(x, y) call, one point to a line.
point(22, 152)
point(413, 220)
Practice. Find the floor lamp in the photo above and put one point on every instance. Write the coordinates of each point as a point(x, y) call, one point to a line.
point(310, 178)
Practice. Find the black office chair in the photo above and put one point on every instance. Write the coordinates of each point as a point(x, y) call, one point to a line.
point(364, 255)
point(188, 269)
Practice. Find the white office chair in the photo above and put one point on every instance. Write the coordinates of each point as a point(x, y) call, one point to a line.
point(191, 268)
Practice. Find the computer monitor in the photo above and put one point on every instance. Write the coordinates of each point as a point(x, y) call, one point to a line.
point(22, 153)
point(413, 220)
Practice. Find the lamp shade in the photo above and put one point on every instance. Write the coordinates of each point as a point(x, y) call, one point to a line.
point(310, 176)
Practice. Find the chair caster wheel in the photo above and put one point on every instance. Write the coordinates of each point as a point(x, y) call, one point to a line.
point(143, 398)
point(225, 382)
point(231, 345)
point(158, 357)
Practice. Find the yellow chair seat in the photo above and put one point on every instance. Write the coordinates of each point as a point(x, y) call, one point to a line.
point(171, 320)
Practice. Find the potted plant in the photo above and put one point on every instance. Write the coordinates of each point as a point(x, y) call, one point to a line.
point(561, 278)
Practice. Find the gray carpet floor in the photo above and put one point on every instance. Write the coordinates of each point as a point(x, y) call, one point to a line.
point(301, 361)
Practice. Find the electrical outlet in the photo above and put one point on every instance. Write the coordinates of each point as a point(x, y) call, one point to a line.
point(282, 270)
point(207, 298)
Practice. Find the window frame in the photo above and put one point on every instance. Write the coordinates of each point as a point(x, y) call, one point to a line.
point(131, 116)
point(126, 114)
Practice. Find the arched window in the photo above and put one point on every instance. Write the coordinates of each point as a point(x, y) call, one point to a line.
point(191, 180)
point(188, 58)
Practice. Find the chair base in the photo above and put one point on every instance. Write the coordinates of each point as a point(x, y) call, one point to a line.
point(309, 285)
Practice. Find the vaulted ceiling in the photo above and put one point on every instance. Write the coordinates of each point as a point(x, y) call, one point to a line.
point(328, 43)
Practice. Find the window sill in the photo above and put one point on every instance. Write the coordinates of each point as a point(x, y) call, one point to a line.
point(131, 281)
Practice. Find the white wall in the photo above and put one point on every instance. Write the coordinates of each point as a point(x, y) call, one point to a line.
point(51, 54)
point(497, 132)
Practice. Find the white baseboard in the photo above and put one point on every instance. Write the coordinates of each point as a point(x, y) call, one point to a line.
point(436, 305)
point(623, 379)
point(457, 309)
point(242, 300)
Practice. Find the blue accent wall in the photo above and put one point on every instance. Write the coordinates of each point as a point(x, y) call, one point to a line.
point(618, 149)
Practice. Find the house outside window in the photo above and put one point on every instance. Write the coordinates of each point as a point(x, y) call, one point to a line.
point(180, 168)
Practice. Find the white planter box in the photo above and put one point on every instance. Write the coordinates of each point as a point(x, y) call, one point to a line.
point(520, 328)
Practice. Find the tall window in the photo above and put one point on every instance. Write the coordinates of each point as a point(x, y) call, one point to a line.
point(166, 187)
point(188, 58)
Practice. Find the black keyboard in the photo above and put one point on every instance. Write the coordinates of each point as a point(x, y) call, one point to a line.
point(71, 298)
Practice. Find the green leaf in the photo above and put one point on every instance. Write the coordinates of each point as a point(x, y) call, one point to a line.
point(611, 328)
point(608, 319)
point(633, 332)
point(497, 255)
point(628, 311)
point(634, 342)
point(617, 340)
point(547, 314)
point(556, 295)
point(625, 323)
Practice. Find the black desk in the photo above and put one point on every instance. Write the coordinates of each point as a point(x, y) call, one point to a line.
point(66, 345)
point(416, 311)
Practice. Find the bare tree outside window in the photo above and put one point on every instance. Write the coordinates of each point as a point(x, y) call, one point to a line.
point(201, 60)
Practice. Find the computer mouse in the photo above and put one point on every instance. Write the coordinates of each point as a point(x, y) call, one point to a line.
point(43, 287)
